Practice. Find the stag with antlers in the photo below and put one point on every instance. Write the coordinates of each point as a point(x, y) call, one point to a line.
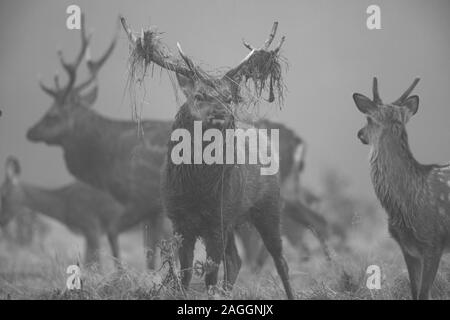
point(415, 196)
point(209, 201)
point(107, 154)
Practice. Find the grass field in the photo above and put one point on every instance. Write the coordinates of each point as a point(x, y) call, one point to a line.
point(39, 272)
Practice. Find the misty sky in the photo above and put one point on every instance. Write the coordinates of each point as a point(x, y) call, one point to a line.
point(331, 55)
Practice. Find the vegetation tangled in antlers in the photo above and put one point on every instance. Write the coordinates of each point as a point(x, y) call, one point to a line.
point(260, 72)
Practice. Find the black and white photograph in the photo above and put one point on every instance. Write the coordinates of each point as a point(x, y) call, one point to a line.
point(235, 150)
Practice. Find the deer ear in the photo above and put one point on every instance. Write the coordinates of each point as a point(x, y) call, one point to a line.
point(12, 169)
point(364, 104)
point(89, 98)
point(186, 84)
point(412, 104)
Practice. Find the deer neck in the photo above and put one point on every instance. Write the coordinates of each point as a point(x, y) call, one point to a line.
point(197, 178)
point(46, 202)
point(88, 146)
point(397, 177)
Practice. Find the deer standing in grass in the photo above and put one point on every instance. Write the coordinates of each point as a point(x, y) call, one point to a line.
point(107, 154)
point(296, 216)
point(79, 207)
point(415, 196)
point(208, 201)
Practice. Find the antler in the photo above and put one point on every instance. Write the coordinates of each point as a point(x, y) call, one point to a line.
point(376, 95)
point(71, 68)
point(95, 66)
point(236, 72)
point(146, 47)
point(406, 94)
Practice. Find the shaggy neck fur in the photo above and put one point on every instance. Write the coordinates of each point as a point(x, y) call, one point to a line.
point(200, 179)
point(399, 180)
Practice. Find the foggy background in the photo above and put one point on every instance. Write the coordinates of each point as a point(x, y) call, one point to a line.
point(331, 55)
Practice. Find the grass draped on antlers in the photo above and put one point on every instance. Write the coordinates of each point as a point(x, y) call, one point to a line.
point(262, 74)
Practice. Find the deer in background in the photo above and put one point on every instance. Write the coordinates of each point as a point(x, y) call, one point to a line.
point(209, 201)
point(78, 206)
point(107, 154)
point(416, 197)
point(297, 216)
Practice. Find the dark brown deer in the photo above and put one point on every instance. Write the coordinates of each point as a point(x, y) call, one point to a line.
point(415, 196)
point(107, 154)
point(79, 207)
point(208, 201)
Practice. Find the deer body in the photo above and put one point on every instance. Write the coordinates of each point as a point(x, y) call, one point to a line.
point(79, 207)
point(416, 197)
point(208, 201)
point(107, 154)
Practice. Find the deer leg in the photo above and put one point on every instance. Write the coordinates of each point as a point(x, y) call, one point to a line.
point(431, 262)
point(186, 256)
point(92, 253)
point(215, 247)
point(232, 263)
point(114, 244)
point(268, 226)
point(414, 266)
point(152, 235)
point(305, 252)
point(261, 259)
point(323, 244)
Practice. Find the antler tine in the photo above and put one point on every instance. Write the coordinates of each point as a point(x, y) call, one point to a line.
point(95, 66)
point(56, 80)
point(47, 90)
point(155, 56)
point(128, 31)
point(186, 59)
point(376, 95)
point(283, 38)
point(271, 35)
point(235, 71)
point(406, 94)
point(247, 45)
point(71, 68)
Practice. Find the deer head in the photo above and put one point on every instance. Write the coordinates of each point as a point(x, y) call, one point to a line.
point(211, 98)
point(71, 99)
point(382, 118)
point(10, 192)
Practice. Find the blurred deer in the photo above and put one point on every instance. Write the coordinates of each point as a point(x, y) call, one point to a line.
point(107, 154)
point(208, 201)
point(415, 196)
point(79, 207)
point(297, 215)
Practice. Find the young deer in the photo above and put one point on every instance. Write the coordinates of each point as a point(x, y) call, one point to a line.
point(78, 206)
point(107, 154)
point(415, 196)
point(208, 201)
